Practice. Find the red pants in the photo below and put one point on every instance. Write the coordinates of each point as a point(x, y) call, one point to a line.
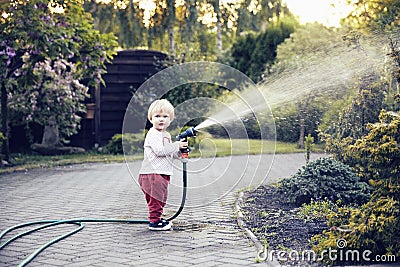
point(155, 189)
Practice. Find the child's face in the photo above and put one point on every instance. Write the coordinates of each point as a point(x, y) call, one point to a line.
point(160, 120)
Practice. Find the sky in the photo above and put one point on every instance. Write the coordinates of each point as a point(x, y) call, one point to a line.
point(327, 12)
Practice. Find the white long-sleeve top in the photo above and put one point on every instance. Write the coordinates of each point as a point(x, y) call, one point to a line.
point(159, 151)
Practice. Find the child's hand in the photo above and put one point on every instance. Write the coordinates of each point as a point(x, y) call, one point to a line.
point(183, 144)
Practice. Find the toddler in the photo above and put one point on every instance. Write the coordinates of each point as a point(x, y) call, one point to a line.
point(157, 168)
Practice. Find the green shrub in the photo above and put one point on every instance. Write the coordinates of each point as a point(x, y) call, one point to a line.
point(325, 178)
point(125, 144)
point(309, 145)
point(376, 156)
point(317, 209)
point(375, 226)
point(2, 138)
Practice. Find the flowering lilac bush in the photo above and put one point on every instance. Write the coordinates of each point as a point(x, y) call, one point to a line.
point(49, 56)
point(56, 92)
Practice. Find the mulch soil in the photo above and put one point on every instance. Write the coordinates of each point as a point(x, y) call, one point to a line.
point(276, 222)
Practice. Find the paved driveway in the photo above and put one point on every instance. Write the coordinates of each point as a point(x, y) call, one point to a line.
point(206, 232)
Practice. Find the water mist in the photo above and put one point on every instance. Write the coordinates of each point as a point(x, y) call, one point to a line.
point(329, 74)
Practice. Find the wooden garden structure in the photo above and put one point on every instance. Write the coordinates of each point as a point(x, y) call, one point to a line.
point(106, 110)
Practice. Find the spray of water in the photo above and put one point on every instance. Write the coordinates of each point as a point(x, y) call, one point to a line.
point(330, 74)
point(213, 177)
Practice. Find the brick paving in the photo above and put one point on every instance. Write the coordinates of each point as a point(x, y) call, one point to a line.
point(205, 234)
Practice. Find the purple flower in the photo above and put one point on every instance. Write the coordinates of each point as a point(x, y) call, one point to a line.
point(10, 52)
point(42, 6)
point(62, 24)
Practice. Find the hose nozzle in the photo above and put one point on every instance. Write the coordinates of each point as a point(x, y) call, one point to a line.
point(190, 132)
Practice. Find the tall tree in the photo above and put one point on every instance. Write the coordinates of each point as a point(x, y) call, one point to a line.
point(171, 26)
point(309, 45)
point(252, 53)
point(374, 14)
point(180, 21)
point(254, 15)
point(377, 18)
point(217, 10)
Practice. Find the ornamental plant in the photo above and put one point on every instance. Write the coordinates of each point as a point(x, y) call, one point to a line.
point(57, 92)
point(324, 178)
point(374, 226)
point(376, 156)
point(49, 50)
point(128, 144)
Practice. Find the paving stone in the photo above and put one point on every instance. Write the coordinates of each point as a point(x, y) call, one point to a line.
point(206, 232)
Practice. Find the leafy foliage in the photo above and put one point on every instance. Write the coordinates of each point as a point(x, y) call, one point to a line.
point(374, 15)
point(253, 52)
point(308, 43)
point(194, 23)
point(308, 145)
point(309, 46)
point(374, 227)
point(317, 209)
point(127, 144)
point(49, 55)
point(324, 178)
point(376, 156)
point(287, 121)
point(352, 121)
point(370, 147)
point(55, 91)
point(376, 224)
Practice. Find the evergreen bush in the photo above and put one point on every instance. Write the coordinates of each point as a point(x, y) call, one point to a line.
point(325, 178)
point(374, 226)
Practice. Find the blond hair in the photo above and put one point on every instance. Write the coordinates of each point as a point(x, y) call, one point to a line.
point(161, 105)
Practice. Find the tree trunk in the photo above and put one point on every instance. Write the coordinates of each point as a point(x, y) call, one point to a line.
point(302, 131)
point(171, 23)
point(219, 34)
point(4, 122)
point(171, 36)
point(149, 38)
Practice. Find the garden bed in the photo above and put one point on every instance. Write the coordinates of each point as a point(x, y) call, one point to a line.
point(277, 223)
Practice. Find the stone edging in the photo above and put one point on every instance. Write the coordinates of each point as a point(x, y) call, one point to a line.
point(241, 223)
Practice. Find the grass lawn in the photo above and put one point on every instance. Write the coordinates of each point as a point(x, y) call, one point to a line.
point(207, 148)
point(227, 147)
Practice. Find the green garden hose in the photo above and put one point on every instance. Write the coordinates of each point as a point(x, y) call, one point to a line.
point(79, 222)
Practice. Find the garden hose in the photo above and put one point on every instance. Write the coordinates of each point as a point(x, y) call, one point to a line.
point(79, 222)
